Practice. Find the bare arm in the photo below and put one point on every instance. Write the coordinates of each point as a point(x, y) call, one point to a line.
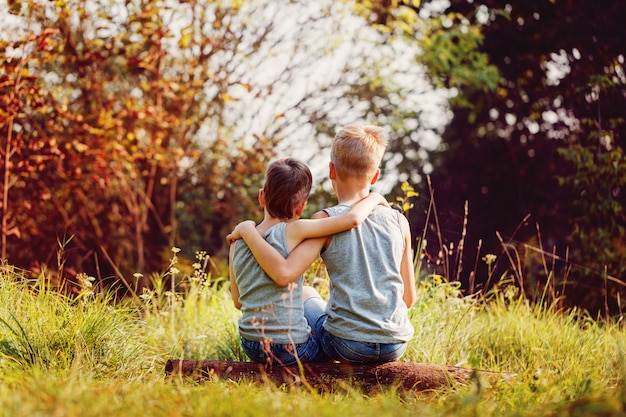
point(234, 289)
point(282, 270)
point(406, 267)
point(319, 226)
point(307, 236)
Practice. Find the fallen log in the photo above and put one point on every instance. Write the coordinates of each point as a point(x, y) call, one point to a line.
point(405, 376)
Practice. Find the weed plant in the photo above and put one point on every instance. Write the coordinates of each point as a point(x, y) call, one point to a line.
point(87, 354)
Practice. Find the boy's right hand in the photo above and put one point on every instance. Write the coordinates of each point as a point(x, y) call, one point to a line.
point(382, 201)
point(236, 233)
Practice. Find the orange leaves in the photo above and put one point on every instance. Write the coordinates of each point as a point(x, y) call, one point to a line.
point(126, 125)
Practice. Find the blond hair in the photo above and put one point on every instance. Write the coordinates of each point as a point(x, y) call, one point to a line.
point(358, 150)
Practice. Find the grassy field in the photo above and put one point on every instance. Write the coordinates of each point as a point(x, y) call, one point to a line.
point(86, 355)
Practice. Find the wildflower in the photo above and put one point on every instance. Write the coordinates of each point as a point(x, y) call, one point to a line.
point(85, 280)
point(489, 258)
point(437, 279)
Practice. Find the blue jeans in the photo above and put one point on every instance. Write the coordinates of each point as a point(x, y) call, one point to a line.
point(283, 354)
point(344, 350)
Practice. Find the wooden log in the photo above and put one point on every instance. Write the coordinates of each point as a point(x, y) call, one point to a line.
point(406, 376)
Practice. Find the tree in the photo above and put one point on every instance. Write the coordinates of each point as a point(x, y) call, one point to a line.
point(160, 118)
point(133, 112)
point(545, 140)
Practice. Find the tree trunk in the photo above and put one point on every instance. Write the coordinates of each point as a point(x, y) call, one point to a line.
point(405, 376)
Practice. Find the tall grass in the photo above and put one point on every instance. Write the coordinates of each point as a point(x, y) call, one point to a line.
point(86, 354)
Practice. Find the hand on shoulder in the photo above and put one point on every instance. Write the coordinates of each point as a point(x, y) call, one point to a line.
point(382, 201)
point(242, 227)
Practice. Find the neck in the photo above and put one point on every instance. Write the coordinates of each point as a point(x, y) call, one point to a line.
point(351, 190)
point(270, 221)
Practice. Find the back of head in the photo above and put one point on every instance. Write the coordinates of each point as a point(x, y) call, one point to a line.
point(288, 183)
point(358, 150)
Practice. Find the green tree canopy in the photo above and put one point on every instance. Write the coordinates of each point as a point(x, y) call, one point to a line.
point(536, 142)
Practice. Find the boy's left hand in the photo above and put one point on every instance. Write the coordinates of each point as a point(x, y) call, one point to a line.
point(236, 233)
point(382, 201)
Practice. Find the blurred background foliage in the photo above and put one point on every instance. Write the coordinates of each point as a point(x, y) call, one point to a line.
point(130, 127)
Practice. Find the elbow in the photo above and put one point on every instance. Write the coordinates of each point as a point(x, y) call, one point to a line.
point(354, 221)
point(410, 299)
point(284, 278)
point(283, 281)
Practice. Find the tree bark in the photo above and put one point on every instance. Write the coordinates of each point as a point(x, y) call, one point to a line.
point(406, 376)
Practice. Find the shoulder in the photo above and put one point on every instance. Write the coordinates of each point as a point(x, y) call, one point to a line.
point(404, 225)
point(396, 217)
point(391, 213)
point(401, 218)
point(336, 210)
point(276, 233)
point(239, 251)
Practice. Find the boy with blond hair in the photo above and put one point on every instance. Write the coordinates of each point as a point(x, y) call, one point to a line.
point(372, 280)
point(272, 325)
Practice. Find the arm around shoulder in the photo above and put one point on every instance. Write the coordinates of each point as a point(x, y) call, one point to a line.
point(282, 271)
point(321, 224)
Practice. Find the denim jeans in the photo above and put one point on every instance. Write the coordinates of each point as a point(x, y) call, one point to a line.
point(283, 354)
point(344, 350)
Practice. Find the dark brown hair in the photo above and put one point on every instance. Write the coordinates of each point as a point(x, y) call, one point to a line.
point(288, 183)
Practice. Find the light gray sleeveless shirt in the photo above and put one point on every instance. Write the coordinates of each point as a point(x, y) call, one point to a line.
point(366, 287)
point(268, 310)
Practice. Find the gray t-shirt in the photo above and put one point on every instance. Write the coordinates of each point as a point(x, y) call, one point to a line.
point(366, 287)
point(268, 310)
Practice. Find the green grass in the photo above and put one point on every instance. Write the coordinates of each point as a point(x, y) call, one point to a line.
point(86, 355)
